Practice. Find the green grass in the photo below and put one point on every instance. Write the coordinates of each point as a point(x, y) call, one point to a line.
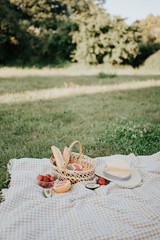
point(20, 84)
point(107, 123)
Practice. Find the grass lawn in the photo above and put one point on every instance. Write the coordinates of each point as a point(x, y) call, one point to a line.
point(105, 123)
point(20, 84)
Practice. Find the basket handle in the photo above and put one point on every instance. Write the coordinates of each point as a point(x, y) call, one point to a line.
point(80, 147)
point(69, 151)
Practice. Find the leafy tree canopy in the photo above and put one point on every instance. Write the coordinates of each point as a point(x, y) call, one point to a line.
point(53, 31)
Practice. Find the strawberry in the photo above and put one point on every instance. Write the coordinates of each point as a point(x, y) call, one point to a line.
point(40, 178)
point(44, 184)
point(45, 179)
point(48, 176)
point(51, 179)
point(101, 181)
point(50, 184)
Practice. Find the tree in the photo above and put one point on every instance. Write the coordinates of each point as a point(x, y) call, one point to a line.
point(49, 24)
point(38, 13)
point(98, 39)
point(123, 42)
point(151, 29)
point(11, 33)
point(53, 31)
point(150, 38)
point(93, 24)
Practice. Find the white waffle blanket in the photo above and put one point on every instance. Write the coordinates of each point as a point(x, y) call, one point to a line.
point(109, 212)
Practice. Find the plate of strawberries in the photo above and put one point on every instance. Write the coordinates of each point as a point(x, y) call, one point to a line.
point(45, 181)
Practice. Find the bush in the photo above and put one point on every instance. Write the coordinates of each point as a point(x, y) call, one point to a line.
point(58, 46)
point(145, 50)
point(106, 75)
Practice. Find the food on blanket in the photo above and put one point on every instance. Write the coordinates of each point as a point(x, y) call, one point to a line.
point(40, 178)
point(69, 168)
point(78, 169)
point(66, 155)
point(48, 176)
point(58, 157)
point(117, 168)
point(47, 193)
point(85, 169)
point(43, 184)
point(51, 179)
point(62, 187)
point(46, 184)
point(75, 166)
point(50, 184)
point(92, 186)
point(45, 181)
point(101, 181)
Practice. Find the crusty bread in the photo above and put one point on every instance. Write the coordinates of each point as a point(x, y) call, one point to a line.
point(58, 157)
point(66, 155)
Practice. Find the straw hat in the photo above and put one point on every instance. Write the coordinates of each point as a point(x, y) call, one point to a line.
point(119, 171)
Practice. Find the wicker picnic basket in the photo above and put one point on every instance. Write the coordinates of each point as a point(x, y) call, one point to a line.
point(75, 176)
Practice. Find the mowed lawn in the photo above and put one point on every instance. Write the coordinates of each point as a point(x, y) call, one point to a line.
point(120, 122)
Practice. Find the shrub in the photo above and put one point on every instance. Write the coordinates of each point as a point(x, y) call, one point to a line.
point(106, 75)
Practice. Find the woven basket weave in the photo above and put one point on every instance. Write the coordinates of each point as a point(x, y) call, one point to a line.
point(75, 176)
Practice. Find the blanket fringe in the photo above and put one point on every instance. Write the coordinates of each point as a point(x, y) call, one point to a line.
point(10, 165)
point(2, 197)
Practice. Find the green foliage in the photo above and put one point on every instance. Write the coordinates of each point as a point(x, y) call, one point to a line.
point(13, 38)
point(41, 13)
point(150, 27)
point(93, 26)
point(40, 32)
point(99, 39)
point(146, 49)
point(55, 50)
point(106, 75)
point(49, 32)
point(131, 136)
point(123, 42)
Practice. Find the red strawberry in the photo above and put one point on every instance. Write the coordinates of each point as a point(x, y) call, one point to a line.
point(50, 184)
point(40, 178)
point(45, 179)
point(48, 176)
point(51, 179)
point(101, 181)
point(44, 184)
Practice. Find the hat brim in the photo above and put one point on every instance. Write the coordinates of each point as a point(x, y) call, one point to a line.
point(132, 182)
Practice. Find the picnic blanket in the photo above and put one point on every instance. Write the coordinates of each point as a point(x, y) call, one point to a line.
point(109, 212)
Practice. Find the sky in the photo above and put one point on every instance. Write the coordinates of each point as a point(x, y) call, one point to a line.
point(133, 9)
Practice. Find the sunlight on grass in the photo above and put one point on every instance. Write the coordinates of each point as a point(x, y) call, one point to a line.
point(76, 69)
point(108, 116)
point(53, 93)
